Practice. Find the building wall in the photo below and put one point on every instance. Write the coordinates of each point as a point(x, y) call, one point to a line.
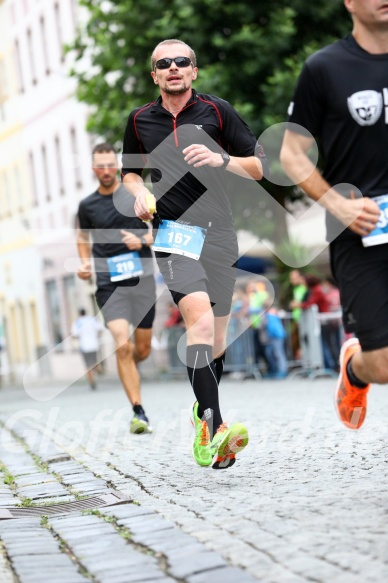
point(44, 172)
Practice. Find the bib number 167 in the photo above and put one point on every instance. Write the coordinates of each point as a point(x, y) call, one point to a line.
point(178, 238)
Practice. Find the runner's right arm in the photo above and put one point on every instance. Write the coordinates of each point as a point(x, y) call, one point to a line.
point(84, 247)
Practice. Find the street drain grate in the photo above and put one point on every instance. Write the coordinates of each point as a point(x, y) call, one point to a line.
point(110, 499)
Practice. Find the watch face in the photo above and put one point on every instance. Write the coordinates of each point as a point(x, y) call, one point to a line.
point(226, 159)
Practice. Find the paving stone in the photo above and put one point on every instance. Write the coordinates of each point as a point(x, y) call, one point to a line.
point(198, 562)
point(281, 513)
point(223, 575)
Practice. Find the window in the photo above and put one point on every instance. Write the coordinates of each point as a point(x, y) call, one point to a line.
point(44, 45)
point(30, 47)
point(19, 188)
point(34, 190)
point(74, 151)
point(58, 155)
point(58, 26)
point(54, 313)
point(46, 174)
point(7, 195)
point(71, 304)
point(3, 89)
point(73, 7)
point(19, 66)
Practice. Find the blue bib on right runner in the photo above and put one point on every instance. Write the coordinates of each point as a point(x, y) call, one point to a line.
point(379, 235)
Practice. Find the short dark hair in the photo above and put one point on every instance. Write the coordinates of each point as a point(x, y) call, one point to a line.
point(312, 280)
point(102, 148)
point(173, 41)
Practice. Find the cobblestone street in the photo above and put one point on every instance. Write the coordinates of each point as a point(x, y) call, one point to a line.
point(306, 501)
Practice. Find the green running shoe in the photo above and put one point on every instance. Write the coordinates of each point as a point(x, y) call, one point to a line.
point(140, 424)
point(226, 443)
point(201, 443)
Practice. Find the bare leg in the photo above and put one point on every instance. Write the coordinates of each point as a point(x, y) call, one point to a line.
point(371, 367)
point(220, 329)
point(90, 377)
point(125, 356)
point(143, 337)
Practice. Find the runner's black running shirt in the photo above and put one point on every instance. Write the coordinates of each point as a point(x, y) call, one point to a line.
point(104, 215)
point(205, 119)
point(341, 98)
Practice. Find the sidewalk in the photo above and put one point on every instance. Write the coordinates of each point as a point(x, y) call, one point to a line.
point(306, 501)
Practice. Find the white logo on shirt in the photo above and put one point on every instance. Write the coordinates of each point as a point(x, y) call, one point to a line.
point(365, 107)
point(198, 127)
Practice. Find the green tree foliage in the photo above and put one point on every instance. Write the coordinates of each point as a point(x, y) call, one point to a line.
point(249, 53)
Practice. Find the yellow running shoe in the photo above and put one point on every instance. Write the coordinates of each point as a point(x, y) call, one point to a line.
point(140, 424)
point(226, 443)
point(201, 442)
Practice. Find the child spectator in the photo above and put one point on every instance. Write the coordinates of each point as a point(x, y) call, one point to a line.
point(273, 337)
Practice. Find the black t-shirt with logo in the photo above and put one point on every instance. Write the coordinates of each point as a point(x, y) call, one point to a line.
point(104, 215)
point(341, 98)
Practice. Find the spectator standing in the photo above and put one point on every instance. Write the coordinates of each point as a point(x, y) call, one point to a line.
point(173, 330)
point(299, 292)
point(273, 338)
point(333, 297)
point(238, 328)
point(174, 316)
point(317, 296)
point(257, 294)
point(88, 329)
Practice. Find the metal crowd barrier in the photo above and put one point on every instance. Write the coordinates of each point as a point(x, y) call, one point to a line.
point(175, 364)
point(320, 332)
point(241, 354)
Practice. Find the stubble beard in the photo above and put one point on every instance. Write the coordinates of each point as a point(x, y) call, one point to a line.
point(107, 183)
point(178, 91)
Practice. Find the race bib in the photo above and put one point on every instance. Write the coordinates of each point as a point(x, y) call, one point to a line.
point(379, 235)
point(181, 239)
point(125, 266)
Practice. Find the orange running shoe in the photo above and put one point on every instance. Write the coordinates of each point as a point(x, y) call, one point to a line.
point(349, 401)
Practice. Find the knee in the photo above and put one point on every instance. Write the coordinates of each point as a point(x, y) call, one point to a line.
point(124, 350)
point(201, 333)
point(143, 351)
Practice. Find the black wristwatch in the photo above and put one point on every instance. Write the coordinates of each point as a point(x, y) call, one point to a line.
point(226, 159)
point(143, 241)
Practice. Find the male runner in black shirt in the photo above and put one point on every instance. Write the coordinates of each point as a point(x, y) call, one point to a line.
point(186, 134)
point(123, 264)
point(342, 99)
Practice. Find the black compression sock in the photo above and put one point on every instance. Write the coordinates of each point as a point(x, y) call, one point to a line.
point(202, 375)
point(355, 381)
point(219, 365)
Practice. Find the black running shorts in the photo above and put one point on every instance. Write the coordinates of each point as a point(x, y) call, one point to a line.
point(362, 277)
point(214, 272)
point(136, 304)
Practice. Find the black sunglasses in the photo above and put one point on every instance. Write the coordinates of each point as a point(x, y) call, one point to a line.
point(179, 61)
